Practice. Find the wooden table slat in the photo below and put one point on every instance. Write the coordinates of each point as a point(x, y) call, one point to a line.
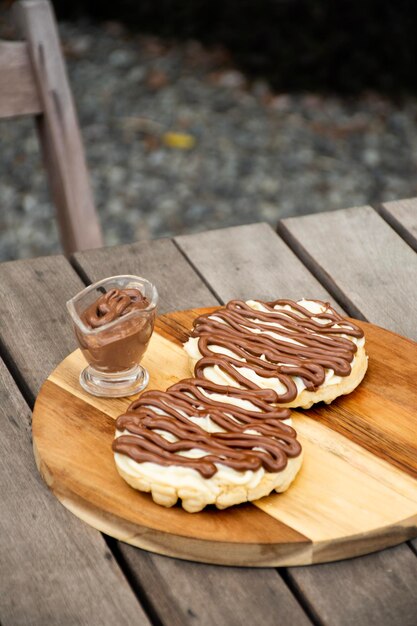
point(362, 261)
point(182, 592)
point(54, 569)
point(35, 328)
point(374, 590)
point(249, 261)
point(402, 216)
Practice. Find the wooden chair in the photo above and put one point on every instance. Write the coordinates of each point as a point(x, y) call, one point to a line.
point(33, 81)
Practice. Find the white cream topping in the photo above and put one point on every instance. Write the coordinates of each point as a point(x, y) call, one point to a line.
point(207, 424)
point(240, 402)
point(210, 426)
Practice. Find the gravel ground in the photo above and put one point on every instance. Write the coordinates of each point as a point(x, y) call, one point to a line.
point(178, 141)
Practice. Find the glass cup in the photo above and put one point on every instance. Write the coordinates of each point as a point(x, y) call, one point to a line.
point(114, 349)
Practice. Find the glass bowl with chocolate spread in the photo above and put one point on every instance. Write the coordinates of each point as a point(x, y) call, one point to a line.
point(113, 323)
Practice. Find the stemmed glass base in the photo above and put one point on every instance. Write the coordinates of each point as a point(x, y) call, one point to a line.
point(116, 385)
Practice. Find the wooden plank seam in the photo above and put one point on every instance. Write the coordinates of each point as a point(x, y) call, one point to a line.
point(197, 271)
point(319, 272)
point(383, 210)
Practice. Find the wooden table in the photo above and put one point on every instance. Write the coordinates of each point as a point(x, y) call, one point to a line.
point(54, 569)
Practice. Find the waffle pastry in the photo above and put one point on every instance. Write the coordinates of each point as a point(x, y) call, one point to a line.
point(205, 444)
point(304, 351)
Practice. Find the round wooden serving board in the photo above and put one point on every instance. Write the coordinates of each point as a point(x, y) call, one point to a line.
point(356, 491)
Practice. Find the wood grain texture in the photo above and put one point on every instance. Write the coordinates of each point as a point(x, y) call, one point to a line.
point(402, 216)
point(348, 499)
point(250, 262)
point(19, 93)
point(35, 327)
point(58, 129)
point(54, 569)
point(373, 590)
point(362, 261)
point(389, 396)
point(160, 261)
point(192, 593)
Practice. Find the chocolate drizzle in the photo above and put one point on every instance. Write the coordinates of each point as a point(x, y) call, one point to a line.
point(112, 305)
point(170, 411)
point(252, 436)
point(318, 346)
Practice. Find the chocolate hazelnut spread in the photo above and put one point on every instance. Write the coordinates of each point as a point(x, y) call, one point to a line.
point(122, 345)
point(245, 440)
point(112, 305)
point(276, 343)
